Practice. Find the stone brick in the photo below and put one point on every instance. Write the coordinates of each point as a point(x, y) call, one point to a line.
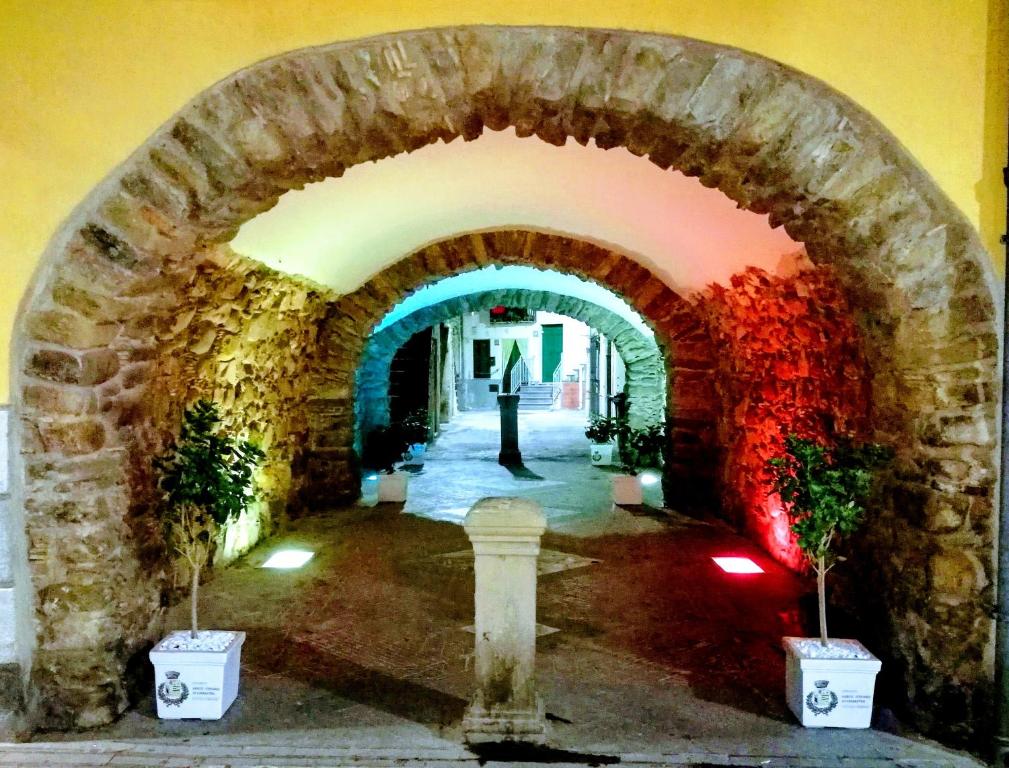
point(55, 399)
point(72, 438)
point(78, 688)
point(110, 245)
point(945, 514)
point(83, 368)
point(51, 471)
point(83, 506)
point(11, 702)
point(90, 304)
point(70, 330)
point(956, 573)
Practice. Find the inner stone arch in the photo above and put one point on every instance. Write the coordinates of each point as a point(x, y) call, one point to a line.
point(641, 355)
point(680, 335)
point(772, 139)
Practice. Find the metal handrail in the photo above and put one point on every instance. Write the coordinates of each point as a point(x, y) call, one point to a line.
point(555, 380)
point(519, 376)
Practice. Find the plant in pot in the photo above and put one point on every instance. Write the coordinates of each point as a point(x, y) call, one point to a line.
point(414, 430)
point(383, 448)
point(601, 432)
point(828, 682)
point(206, 478)
point(639, 449)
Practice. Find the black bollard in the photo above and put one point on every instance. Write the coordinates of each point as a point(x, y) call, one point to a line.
point(509, 455)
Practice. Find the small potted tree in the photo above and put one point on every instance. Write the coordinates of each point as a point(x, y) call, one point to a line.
point(384, 447)
point(639, 449)
point(206, 481)
point(828, 682)
point(601, 431)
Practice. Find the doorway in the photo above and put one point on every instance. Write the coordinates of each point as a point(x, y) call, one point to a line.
point(553, 350)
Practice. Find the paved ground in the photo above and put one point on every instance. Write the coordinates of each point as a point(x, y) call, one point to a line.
point(461, 467)
point(362, 657)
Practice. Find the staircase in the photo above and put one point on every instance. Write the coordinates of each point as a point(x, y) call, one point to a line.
point(536, 397)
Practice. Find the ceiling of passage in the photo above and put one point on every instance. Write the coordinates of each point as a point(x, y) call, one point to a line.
point(514, 276)
point(340, 232)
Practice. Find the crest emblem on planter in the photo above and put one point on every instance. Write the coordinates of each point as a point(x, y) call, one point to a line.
point(822, 701)
point(173, 691)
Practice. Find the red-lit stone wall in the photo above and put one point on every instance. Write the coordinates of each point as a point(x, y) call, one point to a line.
point(789, 359)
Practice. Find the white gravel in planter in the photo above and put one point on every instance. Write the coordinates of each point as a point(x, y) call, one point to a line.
point(205, 640)
point(812, 648)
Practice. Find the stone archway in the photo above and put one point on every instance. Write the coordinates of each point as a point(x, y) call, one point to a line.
point(772, 139)
point(641, 355)
point(681, 337)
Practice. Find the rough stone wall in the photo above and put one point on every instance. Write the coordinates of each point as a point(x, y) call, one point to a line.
point(772, 139)
point(245, 337)
point(789, 361)
point(690, 478)
point(645, 369)
point(791, 358)
point(331, 465)
point(237, 333)
point(89, 342)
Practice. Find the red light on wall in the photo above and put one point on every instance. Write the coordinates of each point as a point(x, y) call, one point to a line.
point(737, 565)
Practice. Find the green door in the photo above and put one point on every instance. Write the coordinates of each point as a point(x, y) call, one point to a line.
point(553, 347)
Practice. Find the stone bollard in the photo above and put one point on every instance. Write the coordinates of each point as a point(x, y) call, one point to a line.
point(505, 533)
point(509, 455)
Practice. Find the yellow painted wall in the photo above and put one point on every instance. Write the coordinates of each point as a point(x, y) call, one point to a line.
point(83, 82)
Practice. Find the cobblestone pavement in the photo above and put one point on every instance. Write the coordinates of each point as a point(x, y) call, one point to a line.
point(362, 656)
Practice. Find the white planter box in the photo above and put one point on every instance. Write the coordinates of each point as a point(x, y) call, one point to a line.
point(392, 488)
point(627, 490)
point(830, 692)
point(601, 454)
point(192, 683)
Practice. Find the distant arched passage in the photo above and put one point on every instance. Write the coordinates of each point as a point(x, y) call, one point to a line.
point(641, 356)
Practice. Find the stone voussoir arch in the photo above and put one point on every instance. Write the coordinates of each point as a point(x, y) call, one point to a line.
point(679, 332)
point(641, 355)
point(772, 139)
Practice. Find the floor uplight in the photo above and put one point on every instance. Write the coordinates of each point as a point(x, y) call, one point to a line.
point(288, 558)
point(649, 478)
point(737, 565)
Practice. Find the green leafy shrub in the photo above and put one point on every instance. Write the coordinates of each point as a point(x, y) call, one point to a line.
point(641, 448)
point(602, 429)
point(824, 488)
point(414, 427)
point(206, 480)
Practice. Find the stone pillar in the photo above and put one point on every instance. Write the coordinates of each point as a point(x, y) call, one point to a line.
point(509, 455)
point(505, 533)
